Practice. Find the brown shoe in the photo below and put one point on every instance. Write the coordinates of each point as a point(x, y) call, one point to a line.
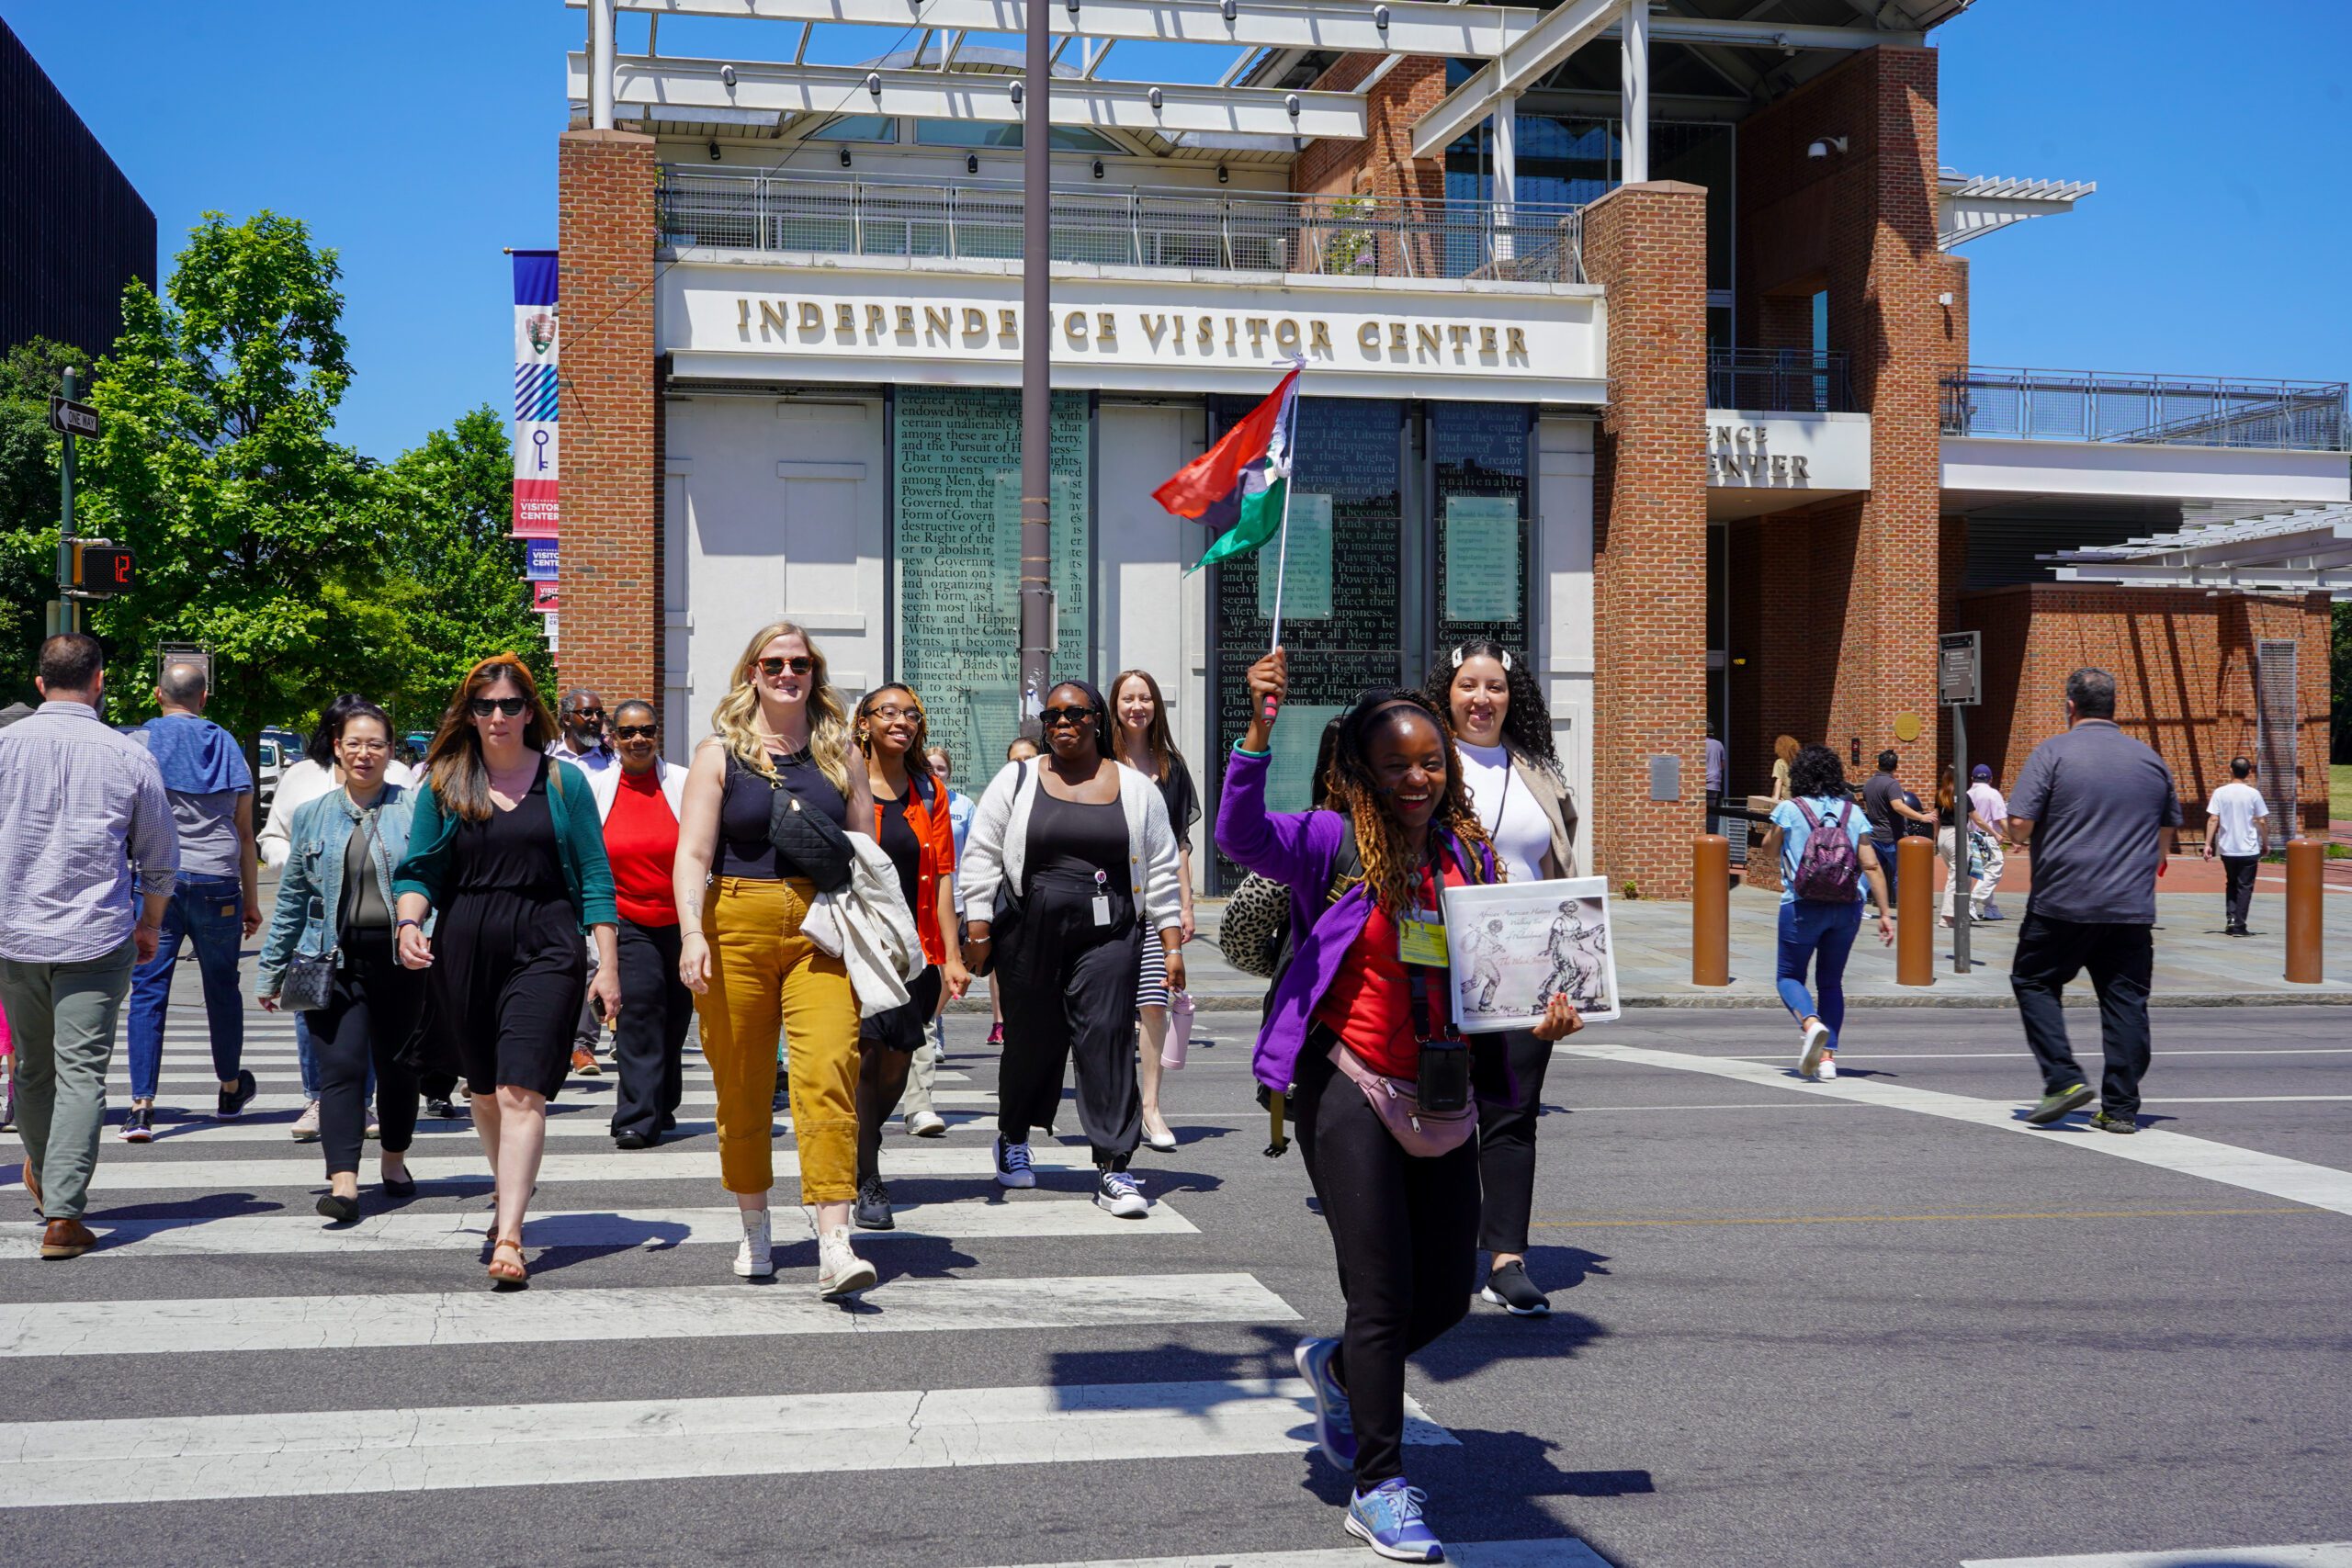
point(66, 1238)
point(583, 1062)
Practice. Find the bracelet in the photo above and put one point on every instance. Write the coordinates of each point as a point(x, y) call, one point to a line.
point(1241, 750)
point(408, 920)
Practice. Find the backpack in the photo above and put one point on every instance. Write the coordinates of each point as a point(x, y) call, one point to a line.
point(1830, 870)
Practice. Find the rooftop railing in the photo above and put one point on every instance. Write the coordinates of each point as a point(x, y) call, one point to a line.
point(1360, 236)
point(2181, 411)
point(1800, 381)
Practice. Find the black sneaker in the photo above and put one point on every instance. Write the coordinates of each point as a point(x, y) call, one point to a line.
point(234, 1100)
point(873, 1209)
point(2108, 1121)
point(2057, 1103)
point(441, 1110)
point(139, 1125)
point(1509, 1288)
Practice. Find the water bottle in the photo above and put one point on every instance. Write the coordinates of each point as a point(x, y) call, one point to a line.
point(1180, 1030)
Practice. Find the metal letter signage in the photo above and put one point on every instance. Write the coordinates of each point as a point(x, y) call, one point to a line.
point(1960, 668)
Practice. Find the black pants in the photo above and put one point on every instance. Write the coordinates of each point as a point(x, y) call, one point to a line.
point(1070, 992)
point(650, 1038)
point(371, 1011)
point(2121, 960)
point(2237, 901)
point(1507, 1147)
point(1405, 1231)
point(886, 1043)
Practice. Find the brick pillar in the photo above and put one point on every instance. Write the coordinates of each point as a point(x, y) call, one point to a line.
point(611, 628)
point(1646, 244)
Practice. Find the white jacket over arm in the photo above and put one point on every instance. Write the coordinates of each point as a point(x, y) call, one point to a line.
point(998, 848)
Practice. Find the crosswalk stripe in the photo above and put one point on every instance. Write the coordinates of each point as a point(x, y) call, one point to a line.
point(155, 1459)
point(637, 1313)
point(654, 1229)
point(432, 1134)
point(267, 1067)
point(135, 1175)
point(2320, 1554)
point(1564, 1552)
point(576, 1091)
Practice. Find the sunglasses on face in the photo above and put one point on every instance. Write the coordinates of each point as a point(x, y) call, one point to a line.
point(772, 668)
point(580, 715)
point(1075, 717)
point(633, 732)
point(482, 708)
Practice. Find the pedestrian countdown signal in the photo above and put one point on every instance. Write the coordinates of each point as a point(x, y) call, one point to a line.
point(102, 571)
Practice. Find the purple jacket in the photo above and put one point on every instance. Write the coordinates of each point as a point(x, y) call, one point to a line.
point(1297, 849)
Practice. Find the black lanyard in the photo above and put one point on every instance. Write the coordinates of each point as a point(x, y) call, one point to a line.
point(1417, 975)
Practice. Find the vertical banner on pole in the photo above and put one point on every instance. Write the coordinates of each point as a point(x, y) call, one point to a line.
point(536, 398)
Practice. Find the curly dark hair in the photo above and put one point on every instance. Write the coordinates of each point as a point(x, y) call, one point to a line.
point(1527, 719)
point(1816, 773)
point(1389, 871)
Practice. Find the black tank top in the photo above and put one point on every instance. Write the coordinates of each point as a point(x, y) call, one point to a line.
point(1069, 842)
point(901, 843)
point(743, 807)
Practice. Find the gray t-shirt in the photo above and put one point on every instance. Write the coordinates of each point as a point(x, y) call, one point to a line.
point(2098, 801)
point(207, 826)
point(1884, 824)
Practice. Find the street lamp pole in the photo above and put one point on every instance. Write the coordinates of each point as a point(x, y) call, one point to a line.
point(1036, 390)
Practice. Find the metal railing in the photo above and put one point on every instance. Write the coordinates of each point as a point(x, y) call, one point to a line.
point(1802, 380)
point(2181, 411)
point(1249, 231)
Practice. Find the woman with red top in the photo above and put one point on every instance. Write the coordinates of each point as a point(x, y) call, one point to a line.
point(641, 803)
point(1363, 1000)
point(911, 824)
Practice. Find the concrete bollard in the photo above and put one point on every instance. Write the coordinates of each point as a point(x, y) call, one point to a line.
point(2305, 917)
point(1711, 910)
point(1914, 911)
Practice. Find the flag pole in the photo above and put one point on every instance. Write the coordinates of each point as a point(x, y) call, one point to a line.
point(1282, 547)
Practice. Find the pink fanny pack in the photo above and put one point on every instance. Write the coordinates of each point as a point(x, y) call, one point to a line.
point(1397, 1102)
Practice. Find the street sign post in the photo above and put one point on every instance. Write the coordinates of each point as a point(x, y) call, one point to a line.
point(1960, 685)
point(64, 416)
point(68, 418)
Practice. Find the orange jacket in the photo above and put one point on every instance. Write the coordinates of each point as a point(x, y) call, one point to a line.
point(936, 830)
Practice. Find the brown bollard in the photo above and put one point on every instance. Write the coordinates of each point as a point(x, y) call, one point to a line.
point(2305, 916)
point(1914, 911)
point(1711, 910)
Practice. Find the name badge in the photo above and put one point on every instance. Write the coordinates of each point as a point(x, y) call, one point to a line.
point(1420, 942)
point(1101, 910)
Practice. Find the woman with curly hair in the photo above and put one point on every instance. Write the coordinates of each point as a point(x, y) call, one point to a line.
point(1819, 933)
point(1502, 731)
point(1357, 1026)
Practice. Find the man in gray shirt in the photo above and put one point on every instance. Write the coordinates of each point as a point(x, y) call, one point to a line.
point(87, 858)
point(2098, 809)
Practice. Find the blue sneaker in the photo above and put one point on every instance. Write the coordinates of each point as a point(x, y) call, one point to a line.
point(1388, 1519)
point(1335, 1426)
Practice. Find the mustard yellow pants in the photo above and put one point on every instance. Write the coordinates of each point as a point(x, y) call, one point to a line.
point(765, 977)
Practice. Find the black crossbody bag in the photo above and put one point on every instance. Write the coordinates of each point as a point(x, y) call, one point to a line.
point(810, 843)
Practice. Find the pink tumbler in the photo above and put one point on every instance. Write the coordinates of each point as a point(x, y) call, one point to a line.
point(1180, 1030)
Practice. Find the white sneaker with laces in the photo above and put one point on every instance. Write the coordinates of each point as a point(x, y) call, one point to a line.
point(305, 1125)
point(1828, 1073)
point(927, 1124)
point(1817, 1046)
point(756, 1259)
point(1122, 1194)
point(840, 1271)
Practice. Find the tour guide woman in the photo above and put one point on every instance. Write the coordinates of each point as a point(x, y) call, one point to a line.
point(506, 846)
point(1502, 730)
point(741, 904)
point(640, 802)
point(335, 902)
point(1355, 1005)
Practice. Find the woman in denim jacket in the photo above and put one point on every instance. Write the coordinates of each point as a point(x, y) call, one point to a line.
point(336, 898)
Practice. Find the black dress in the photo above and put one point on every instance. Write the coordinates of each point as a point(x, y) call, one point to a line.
point(509, 967)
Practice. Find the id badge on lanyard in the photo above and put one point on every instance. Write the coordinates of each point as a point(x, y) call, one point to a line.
point(1101, 899)
point(1420, 933)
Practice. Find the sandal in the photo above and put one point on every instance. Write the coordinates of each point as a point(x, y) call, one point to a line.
point(513, 1273)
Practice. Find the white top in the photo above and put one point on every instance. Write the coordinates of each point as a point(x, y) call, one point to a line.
point(297, 787)
point(1522, 833)
point(593, 760)
point(999, 849)
point(1989, 803)
point(604, 787)
point(2237, 807)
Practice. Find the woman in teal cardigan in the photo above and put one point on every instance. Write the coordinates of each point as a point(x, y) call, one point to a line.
point(506, 857)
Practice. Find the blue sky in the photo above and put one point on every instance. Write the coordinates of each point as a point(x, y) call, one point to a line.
point(419, 137)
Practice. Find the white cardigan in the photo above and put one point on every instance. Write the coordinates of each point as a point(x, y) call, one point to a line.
point(604, 787)
point(999, 846)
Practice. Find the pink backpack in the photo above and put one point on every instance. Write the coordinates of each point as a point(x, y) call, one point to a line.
point(1830, 870)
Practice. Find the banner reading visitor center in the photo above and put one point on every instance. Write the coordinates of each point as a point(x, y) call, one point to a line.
point(536, 399)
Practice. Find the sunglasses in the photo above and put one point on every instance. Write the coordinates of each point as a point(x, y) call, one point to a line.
point(634, 731)
point(772, 668)
point(1052, 716)
point(579, 714)
point(482, 708)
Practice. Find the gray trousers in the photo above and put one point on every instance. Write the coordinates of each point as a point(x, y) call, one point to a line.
point(923, 1071)
point(62, 1018)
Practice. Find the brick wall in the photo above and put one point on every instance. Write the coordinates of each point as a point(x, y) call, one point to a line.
point(1646, 244)
point(2183, 665)
point(611, 627)
point(1382, 163)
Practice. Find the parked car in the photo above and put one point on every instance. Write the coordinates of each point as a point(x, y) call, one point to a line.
point(278, 751)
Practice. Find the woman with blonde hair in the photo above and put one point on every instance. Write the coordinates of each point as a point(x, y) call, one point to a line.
point(505, 845)
point(741, 897)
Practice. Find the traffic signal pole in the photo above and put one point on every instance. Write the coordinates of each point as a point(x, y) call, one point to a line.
point(69, 609)
point(1036, 392)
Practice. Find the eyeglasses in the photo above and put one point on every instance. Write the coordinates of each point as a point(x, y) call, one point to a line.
point(772, 668)
point(482, 708)
point(892, 714)
point(633, 732)
point(366, 747)
point(1073, 717)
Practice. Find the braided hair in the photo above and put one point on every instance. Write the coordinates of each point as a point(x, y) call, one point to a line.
point(1392, 872)
point(1527, 719)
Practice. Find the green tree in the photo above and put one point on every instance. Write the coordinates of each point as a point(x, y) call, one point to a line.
point(29, 453)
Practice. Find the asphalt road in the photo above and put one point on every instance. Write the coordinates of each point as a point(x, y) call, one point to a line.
point(1795, 1325)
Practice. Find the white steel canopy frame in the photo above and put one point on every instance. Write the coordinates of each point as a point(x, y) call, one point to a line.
point(2308, 551)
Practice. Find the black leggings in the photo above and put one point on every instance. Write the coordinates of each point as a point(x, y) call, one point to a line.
point(886, 1048)
point(650, 1037)
point(1507, 1147)
point(1069, 991)
point(1405, 1231)
point(371, 1011)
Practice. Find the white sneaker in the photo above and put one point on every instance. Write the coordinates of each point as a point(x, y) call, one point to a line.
point(1122, 1194)
point(1828, 1073)
point(926, 1125)
point(305, 1125)
point(1817, 1045)
point(756, 1259)
point(840, 1271)
point(1012, 1167)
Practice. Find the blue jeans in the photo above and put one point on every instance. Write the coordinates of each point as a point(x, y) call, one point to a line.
point(1821, 935)
point(1884, 849)
point(208, 911)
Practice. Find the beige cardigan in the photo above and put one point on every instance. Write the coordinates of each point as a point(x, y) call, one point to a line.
point(1559, 811)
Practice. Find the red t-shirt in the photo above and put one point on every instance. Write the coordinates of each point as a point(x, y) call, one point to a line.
point(641, 840)
point(1370, 1004)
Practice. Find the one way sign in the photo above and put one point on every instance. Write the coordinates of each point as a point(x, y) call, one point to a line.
point(68, 418)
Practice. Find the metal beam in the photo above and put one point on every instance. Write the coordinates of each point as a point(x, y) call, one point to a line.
point(1560, 33)
point(934, 95)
